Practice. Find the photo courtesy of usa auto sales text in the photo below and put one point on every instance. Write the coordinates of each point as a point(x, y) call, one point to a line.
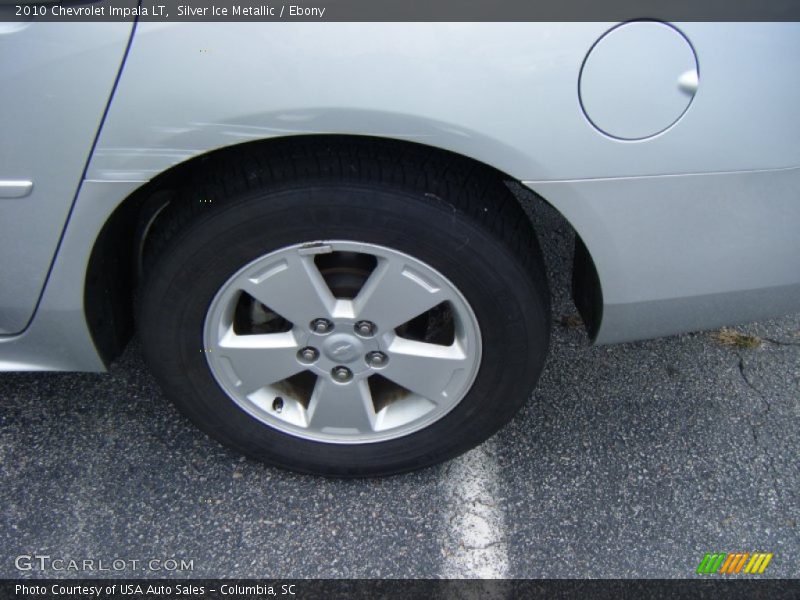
point(62, 589)
point(227, 589)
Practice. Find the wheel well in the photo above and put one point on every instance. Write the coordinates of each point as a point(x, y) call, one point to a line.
point(116, 264)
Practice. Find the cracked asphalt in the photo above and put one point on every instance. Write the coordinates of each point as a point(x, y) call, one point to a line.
point(628, 461)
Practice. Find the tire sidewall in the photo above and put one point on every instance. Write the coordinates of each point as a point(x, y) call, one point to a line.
point(511, 314)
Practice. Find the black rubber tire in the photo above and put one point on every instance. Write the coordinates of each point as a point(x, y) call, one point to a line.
point(455, 216)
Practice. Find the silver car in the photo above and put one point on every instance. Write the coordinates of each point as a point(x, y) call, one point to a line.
point(311, 230)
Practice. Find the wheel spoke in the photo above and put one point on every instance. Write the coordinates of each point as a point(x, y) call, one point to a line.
point(259, 360)
point(394, 294)
point(345, 407)
point(422, 368)
point(293, 287)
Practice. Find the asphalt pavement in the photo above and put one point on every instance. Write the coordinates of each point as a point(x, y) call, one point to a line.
point(631, 460)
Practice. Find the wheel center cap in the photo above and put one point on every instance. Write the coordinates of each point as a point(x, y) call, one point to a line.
point(343, 348)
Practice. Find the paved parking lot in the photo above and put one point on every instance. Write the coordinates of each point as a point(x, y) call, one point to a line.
point(628, 461)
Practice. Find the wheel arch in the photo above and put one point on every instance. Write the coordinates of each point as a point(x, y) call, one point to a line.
point(115, 263)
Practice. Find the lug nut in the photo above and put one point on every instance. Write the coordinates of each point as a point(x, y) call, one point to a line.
point(377, 359)
point(308, 354)
point(365, 328)
point(321, 326)
point(341, 374)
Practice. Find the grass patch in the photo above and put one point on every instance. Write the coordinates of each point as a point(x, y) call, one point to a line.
point(571, 321)
point(730, 337)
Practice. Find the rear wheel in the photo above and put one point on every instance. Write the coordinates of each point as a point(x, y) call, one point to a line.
point(347, 323)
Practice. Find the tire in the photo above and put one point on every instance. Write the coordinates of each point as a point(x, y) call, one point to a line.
point(411, 227)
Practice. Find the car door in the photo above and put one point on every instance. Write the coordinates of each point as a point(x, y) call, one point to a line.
point(56, 80)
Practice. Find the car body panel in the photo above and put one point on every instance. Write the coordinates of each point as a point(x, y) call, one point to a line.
point(58, 338)
point(55, 82)
point(687, 252)
point(503, 93)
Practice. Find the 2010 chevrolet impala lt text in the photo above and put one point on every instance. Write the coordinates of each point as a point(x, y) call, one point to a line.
point(312, 231)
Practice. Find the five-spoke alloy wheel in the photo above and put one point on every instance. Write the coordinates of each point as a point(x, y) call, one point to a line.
point(349, 310)
point(342, 342)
